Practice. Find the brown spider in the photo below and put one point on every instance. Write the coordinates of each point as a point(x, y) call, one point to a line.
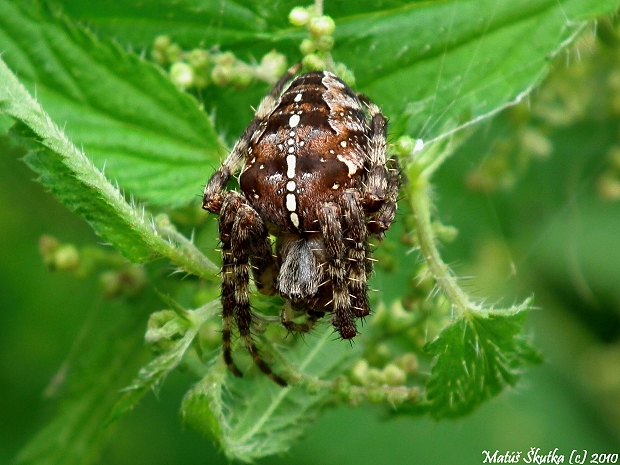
point(314, 175)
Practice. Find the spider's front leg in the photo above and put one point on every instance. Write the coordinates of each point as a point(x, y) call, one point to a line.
point(329, 219)
point(244, 235)
point(387, 211)
point(383, 180)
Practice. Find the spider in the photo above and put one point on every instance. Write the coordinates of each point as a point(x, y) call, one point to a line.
point(314, 175)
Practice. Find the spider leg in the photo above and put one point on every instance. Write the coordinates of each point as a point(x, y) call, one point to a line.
point(376, 182)
point(357, 250)
point(287, 315)
point(329, 219)
point(229, 279)
point(386, 213)
point(264, 267)
point(212, 197)
point(383, 180)
point(240, 229)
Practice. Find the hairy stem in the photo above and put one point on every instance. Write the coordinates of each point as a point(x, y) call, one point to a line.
point(420, 203)
point(318, 6)
point(187, 255)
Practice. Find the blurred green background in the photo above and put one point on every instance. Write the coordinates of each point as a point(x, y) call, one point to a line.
point(535, 195)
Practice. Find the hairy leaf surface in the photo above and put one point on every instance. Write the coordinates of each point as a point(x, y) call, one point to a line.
point(428, 64)
point(122, 110)
point(475, 358)
point(69, 174)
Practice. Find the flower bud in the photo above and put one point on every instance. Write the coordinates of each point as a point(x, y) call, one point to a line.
point(307, 47)
point(299, 16)
point(404, 145)
point(48, 245)
point(359, 372)
point(393, 375)
point(66, 258)
point(182, 74)
point(313, 62)
point(322, 26)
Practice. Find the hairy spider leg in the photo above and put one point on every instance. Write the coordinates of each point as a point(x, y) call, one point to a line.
point(212, 197)
point(381, 187)
point(264, 266)
point(384, 217)
point(241, 228)
point(356, 252)
point(329, 220)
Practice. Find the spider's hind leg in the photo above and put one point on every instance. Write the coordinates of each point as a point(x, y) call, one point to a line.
point(241, 230)
point(357, 251)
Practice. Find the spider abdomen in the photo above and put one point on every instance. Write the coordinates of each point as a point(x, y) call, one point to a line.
point(306, 152)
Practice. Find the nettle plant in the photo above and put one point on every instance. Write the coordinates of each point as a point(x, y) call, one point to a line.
point(128, 143)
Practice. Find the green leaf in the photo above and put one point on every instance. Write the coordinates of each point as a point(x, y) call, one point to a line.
point(192, 22)
point(123, 111)
point(427, 64)
point(5, 123)
point(69, 174)
point(151, 375)
point(475, 358)
point(252, 417)
point(436, 62)
point(103, 359)
point(202, 408)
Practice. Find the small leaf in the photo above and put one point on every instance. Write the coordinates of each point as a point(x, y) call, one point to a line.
point(202, 407)
point(475, 358)
point(151, 375)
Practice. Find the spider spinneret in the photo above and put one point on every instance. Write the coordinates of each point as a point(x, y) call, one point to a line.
point(314, 174)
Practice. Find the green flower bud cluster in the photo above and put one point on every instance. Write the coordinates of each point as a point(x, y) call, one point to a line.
point(200, 68)
point(363, 374)
point(119, 279)
point(60, 257)
point(390, 389)
point(316, 49)
point(128, 281)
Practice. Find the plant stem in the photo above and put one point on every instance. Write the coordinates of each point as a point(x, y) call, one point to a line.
point(318, 6)
point(420, 203)
point(187, 255)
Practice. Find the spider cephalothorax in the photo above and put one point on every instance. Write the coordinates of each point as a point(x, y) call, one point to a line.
point(314, 175)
